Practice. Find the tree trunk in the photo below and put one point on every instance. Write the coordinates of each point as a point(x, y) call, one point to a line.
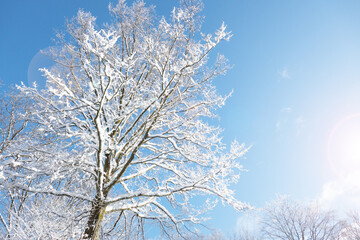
point(92, 230)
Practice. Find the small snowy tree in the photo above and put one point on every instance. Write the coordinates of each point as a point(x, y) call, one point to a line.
point(287, 219)
point(27, 214)
point(352, 229)
point(122, 125)
point(11, 130)
point(13, 126)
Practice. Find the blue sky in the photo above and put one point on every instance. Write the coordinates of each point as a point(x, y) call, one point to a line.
point(296, 82)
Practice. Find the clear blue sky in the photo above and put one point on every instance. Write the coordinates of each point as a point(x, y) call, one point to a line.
point(296, 82)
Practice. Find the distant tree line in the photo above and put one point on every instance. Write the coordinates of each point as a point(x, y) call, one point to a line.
point(287, 219)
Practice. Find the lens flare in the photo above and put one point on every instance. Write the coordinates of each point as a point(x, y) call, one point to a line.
point(343, 149)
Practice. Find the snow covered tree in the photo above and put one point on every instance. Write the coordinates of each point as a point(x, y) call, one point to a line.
point(26, 214)
point(352, 229)
point(286, 219)
point(122, 134)
point(12, 126)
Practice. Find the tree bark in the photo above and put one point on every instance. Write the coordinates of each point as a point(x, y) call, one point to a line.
point(92, 230)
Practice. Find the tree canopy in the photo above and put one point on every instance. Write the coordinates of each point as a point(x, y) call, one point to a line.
point(120, 136)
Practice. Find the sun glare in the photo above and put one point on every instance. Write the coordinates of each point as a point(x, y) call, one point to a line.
point(344, 145)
